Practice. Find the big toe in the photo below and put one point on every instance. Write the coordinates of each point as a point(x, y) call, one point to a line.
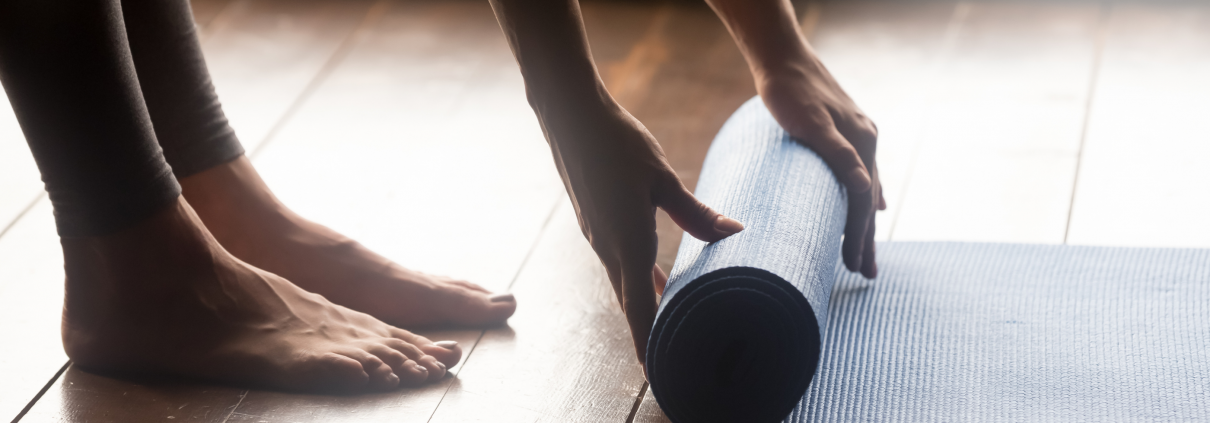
point(475, 308)
point(328, 372)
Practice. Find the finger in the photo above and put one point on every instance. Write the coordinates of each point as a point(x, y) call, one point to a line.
point(856, 224)
point(639, 305)
point(659, 278)
point(695, 217)
point(842, 157)
point(632, 259)
point(869, 268)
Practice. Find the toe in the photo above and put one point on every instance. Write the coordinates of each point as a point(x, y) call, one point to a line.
point(446, 352)
point(413, 375)
point(468, 285)
point(391, 356)
point(379, 372)
point(474, 308)
point(328, 372)
point(435, 368)
point(383, 378)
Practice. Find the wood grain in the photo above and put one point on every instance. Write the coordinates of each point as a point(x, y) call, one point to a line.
point(1003, 129)
point(1143, 179)
point(649, 411)
point(80, 396)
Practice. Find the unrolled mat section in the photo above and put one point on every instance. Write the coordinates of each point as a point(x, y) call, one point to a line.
point(765, 325)
point(738, 333)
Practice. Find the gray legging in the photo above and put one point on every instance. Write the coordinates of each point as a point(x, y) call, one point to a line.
point(110, 142)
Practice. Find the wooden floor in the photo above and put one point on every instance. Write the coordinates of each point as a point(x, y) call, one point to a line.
point(404, 125)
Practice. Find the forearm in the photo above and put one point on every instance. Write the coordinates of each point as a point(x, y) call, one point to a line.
point(767, 33)
point(551, 47)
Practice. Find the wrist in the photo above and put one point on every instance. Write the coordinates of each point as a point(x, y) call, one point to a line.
point(788, 62)
point(570, 107)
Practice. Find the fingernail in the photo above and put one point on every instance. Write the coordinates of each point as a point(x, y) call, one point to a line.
point(727, 225)
point(859, 180)
point(449, 345)
point(499, 298)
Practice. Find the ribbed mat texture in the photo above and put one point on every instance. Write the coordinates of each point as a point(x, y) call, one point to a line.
point(947, 332)
point(737, 336)
point(965, 332)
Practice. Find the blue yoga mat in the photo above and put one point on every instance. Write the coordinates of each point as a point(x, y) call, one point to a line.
point(767, 326)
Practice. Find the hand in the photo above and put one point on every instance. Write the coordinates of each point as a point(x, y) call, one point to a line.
point(616, 175)
point(811, 106)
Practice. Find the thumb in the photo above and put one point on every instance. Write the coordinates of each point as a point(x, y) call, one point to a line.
point(659, 279)
point(696, 218)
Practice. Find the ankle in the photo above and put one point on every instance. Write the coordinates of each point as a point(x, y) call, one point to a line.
point(233, 201)
point(109, 276)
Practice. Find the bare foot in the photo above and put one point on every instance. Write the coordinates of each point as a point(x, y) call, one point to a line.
point(247, 219)
point(162, 298)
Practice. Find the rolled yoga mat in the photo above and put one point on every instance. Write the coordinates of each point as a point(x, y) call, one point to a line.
point(767, 326)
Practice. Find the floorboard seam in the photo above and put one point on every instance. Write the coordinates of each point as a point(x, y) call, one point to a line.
point(242, 395)
point(638, 401)
point(376, 11)
point(216, 22)
point(22, 214)
point(45, 388)
point(949, 43)
point(1098, 52)
point(537, 240)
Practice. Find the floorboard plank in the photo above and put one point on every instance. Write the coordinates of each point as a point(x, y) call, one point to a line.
point(79, 396)
point(31, 300)
point(266, 52)
point(1143, 179)
point(886, 55)
point(1003, 131)
point(428, 153)
point(649, 411)
point(20, 182)
point(566, 355)
point(205, 11)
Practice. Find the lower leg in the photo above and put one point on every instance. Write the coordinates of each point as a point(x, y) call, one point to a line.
point(148, 288)
point(245, 216)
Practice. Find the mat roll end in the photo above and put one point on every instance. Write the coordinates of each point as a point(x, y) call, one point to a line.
point(736, 344)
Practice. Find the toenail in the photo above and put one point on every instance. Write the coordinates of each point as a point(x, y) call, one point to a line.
point(441, 365)
point(449, 345)
point(499, 298)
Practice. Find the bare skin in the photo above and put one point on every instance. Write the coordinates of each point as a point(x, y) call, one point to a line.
point(614, 171)
point(250, 222)
point(163, 298)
